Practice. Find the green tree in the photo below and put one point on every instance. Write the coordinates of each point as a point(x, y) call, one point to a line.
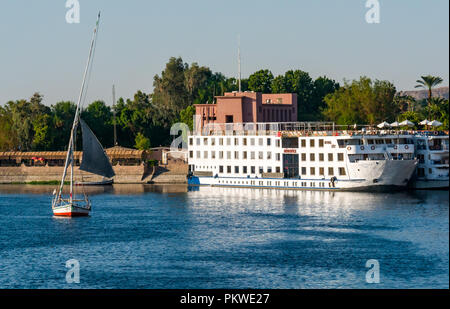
point(63, 114)
point(142, 142)
point(186, 116)
point(261, 81)
point(98, 117)
point(428, 82)
point(44, 130)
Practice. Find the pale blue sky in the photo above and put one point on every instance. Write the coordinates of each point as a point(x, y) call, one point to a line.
point(39, 51)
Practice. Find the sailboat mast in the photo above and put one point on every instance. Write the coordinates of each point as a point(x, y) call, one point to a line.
point(69, 157)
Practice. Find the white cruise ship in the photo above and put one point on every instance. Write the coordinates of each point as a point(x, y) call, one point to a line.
point(299, 155)
point(432, 151)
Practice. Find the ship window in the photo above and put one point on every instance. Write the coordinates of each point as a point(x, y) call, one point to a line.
point(330, 171)
point(261, 170)
point(213, 154)
point(342, 171)
point(191, 154)
point(236, 169)
point(244, 155)
point(277, 143)
point(236, 142)
point(228, 141)
point(268, 141)
point(278, 157)
point(303, 170)
point(213, 142)
point(303, 143)
point(320, 142)
point(311, 143)
point(198, 141)
point(244, 141)
point(220, 154)
point(260, 142)
point(252, 170)
point(330, 157)
point(229, 169)
point(430, 171)
point(252, 142)
point(421, 172)
point(221, 169)
point(269, 169)
point(191, 141)
point(340, 157)
point(290, 142)
point(260, 155)
point(244, 169)
point(229, 155)
point(221, 141)
point(198, 154)
point(277, 169)
point(269, 155)
point(312, 170)
point(303, 156)
point(312, 157)
point(321, 171)
point(252, 155)
point(236, 154)
point(205, 155)
point(321, 157)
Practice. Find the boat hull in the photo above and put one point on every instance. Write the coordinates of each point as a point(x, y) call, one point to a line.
point(430, 184)
point(70, 211)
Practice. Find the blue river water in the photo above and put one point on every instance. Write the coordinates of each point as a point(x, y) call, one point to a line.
point(174, 237)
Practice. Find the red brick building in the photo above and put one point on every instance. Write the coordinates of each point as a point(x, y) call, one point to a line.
point(242, 107)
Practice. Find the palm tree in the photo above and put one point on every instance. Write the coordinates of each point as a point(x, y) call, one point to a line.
point(428, 82)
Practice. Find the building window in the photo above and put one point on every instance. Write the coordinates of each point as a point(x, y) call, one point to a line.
point(320, 142)
point(312, 157)
point(342, 171)
point(321, 157)
point(311, 142)
point(312, 171)
point(340, 157)
point(330, 171)
point(330, 157)
point(191, 141)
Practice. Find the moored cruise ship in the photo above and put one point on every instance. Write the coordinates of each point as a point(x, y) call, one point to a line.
point(297, 155)
point(432, 151)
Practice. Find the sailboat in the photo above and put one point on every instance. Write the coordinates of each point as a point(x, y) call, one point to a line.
point(94, 159)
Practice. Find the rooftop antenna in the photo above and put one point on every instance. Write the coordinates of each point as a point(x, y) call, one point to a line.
point(239, 61)
point(114, 114)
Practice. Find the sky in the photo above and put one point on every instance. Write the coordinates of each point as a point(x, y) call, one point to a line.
point(41, 52)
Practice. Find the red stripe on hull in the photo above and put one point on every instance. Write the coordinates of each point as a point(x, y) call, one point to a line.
point(71, 214)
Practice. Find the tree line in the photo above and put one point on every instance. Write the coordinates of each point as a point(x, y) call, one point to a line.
point(144, 121)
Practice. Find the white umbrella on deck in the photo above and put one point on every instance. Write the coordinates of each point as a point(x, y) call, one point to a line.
point(407, 123)
point(435, 123)
point(424, 122)
point(383, 125)
point(395, 124)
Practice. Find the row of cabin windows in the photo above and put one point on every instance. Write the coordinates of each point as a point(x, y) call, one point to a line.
point(321, 157)
point(252, 155)
point(312, 143)
point(245, 141)
point(275, 183)
point(321, 170)
point(247, 169)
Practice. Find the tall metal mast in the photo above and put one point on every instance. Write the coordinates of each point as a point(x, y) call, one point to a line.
point(114, 114)
point(239, 61)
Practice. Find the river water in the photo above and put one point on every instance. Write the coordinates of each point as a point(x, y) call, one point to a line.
point(174, 237)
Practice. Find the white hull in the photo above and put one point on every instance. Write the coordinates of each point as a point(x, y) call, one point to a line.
point(430, 184)
point(71, 211)
point(373, 175)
